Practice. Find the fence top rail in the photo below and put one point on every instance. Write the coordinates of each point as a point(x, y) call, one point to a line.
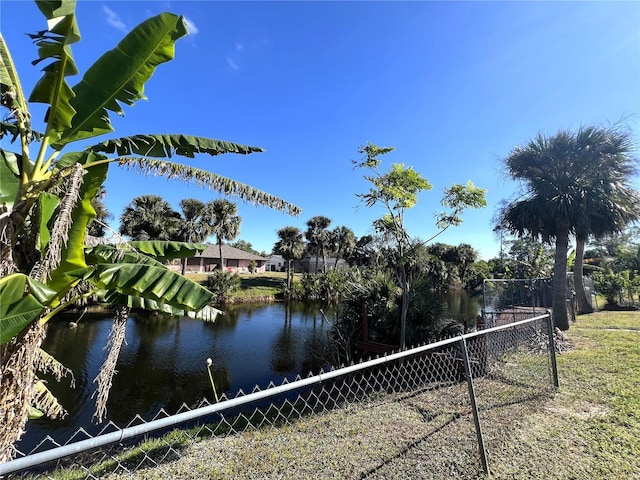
point(506, 326)
point(133, 431)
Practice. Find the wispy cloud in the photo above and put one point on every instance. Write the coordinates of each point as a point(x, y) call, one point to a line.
point(239, 47)
point(232, 64)
point(191, 26)
point(114, 19)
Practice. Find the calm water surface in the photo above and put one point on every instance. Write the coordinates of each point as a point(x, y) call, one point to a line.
point(163, 362)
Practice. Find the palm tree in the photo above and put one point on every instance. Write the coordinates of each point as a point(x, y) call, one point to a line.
point(193, 225)
point(225, 223)
point(612, 203)
point(343, 241)
point(290, 246)
point(150, 217)
point(561, 176)
point(318, 237)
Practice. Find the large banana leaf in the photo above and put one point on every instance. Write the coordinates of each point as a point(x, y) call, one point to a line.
point(9, 81)
point(83, 158)
point(120, 74)
point(150, 252)
point(47, 204)
point(9, 178)
point(17, 308)
point(147, 281)
point(83, 214)
point(166, 145)
point(117, 254)
point(165, 250)
point(207, 313)
point(55, 44)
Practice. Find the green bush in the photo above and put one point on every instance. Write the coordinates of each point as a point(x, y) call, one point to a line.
point(611, 285)
point(221, 284)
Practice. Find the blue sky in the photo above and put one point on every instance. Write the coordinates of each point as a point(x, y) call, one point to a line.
point(453, 86)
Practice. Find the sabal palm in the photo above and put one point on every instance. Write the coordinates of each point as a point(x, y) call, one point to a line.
point(318, 237)
point(290, 246)
point(612, 203)
point(150, 217)
point(194, 226)
point(224, 222)
point(562, 176)
point(343, 242)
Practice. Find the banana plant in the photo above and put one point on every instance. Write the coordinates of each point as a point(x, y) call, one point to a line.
point(46, 193)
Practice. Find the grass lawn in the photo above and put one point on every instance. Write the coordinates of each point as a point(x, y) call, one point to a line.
point(253, 286)
point(591, 429)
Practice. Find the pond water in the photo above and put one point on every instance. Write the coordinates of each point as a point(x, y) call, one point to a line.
point(163, 362)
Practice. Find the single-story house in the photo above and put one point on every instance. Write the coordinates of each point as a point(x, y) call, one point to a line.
point(276, 263)
point(235, 260)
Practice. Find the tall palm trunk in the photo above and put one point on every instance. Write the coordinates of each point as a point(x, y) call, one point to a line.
point(584, 305)
point(220, 251)
point(559, 284)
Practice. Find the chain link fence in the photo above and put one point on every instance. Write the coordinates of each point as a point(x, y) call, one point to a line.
point(452, 398)
point(510, 300)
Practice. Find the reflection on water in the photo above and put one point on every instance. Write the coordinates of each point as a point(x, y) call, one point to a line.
point(163, 362)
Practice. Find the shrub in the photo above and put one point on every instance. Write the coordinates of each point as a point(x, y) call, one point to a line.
point(221, 284)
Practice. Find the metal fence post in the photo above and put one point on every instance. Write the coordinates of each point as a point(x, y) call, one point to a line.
point(552, 350)
point(474, 407)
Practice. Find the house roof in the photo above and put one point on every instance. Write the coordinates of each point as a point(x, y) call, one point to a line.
point(228, 252)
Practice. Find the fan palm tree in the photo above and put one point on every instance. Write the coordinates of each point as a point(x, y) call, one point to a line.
point(291, 247)
point(343, 241)
point(225, 223)
point(612, 203)
point(318, 237)
point(150, 217)
point(561, 177)
point(193, 224)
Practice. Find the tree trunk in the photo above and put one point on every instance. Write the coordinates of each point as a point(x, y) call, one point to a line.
point(404, 307)
point(184, 266)
point(559, 297)
point(584, 305)
point(17, 375)
point(289, 276)
point(220, 251)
